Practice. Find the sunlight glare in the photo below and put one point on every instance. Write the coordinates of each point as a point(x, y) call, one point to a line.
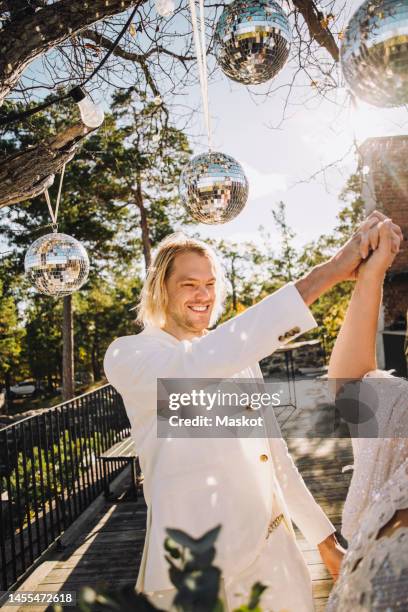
point(369, 121)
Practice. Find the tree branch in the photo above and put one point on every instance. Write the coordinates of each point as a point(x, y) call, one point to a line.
point(140, 58)
point(317, 31)
point(28, 173)
point(26, 38)
point(105, 42)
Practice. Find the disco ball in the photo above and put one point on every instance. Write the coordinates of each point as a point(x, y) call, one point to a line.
point(56, 264)
point(213, 188)
point(374, 52)
point(252, 40)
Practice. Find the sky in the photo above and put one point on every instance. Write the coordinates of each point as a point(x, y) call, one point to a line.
point(279, 162)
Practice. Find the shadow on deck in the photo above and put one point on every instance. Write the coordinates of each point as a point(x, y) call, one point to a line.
point(107, 552)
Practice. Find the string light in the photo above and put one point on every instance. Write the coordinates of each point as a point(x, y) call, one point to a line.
point(92, 114)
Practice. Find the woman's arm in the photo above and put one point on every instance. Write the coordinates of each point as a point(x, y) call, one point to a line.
point(354, 353)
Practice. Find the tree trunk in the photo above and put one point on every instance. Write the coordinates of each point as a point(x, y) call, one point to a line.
point(50, 381)
point(144, 225)
point(8, 397)
point(28, 173)
point(233, 285)
point(96, 368)
point(68, 389)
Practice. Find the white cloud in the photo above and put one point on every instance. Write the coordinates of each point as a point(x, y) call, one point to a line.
point(262, 184)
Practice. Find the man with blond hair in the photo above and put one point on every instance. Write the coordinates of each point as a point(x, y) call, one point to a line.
point(249, 486)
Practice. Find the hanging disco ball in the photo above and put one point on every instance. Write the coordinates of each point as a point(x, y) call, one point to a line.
point(374, 52)
point(252, 40)
point(213, 188)
point(56, 264)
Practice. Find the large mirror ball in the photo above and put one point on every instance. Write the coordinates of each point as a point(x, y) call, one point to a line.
point(374, 53)
point(213, 188)
point(252, 40)
point(56, 264)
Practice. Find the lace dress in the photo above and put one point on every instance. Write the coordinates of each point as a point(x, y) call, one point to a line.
point(374, 573)
point(376, 459)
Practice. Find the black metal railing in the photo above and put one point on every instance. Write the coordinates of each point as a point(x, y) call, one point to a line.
point(50, 473)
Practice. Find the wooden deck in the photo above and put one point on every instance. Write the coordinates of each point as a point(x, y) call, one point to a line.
point(108, 552)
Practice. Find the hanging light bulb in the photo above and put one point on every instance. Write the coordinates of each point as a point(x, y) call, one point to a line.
point(92, 114)
point(165, 8)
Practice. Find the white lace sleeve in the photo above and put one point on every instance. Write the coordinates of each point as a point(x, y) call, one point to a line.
point(375, 459)
point(374, 572)
point(379, 374)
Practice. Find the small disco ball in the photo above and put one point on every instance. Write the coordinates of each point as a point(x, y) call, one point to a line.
point(374, 52)
point(56, 264)
point(252, 40)
point(213, 188)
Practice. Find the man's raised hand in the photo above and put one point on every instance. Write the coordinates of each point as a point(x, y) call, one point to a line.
point(370, 233)
point(348, 259)
point(344, 265)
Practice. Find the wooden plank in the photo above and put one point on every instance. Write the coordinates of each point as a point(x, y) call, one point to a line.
point(322, 588)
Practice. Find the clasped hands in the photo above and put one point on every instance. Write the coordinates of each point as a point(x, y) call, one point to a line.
point(373, 247)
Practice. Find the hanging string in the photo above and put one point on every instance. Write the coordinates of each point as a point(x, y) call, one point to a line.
point(205, 74)
point(200, 47)
point(54, 214)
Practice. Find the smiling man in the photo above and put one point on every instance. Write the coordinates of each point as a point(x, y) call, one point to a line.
point(250, 486)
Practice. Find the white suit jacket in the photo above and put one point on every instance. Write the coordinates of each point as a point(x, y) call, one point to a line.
point(195, 484)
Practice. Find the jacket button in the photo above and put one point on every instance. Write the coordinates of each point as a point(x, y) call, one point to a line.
point(264, 457)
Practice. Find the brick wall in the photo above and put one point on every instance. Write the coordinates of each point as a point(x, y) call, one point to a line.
point(386, 188)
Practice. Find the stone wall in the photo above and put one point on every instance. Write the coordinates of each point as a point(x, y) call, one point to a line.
point(386, 188)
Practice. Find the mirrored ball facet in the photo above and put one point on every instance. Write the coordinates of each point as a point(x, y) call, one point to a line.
point(56, 264)
point(374, 52)
point(213, 188)
point(252, 40)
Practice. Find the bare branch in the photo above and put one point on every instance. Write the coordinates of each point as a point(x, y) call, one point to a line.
point(105, 42)
point(317, 30)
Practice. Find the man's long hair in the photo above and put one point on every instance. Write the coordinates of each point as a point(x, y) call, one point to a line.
point(152, 306)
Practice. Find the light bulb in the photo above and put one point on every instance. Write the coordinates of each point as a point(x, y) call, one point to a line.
point(165, 8)
point(92, 114)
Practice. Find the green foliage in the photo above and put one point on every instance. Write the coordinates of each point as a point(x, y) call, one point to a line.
point(191, 571)
point(129, 166)
point(255, 270)
point(284, 264)
point(59, 479)
point(11, 334)
point(330, 309)
point(256, 593)
point(120, 199)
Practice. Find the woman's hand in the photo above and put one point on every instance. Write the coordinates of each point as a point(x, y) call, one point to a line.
point(387, 248)
point(354, 353)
